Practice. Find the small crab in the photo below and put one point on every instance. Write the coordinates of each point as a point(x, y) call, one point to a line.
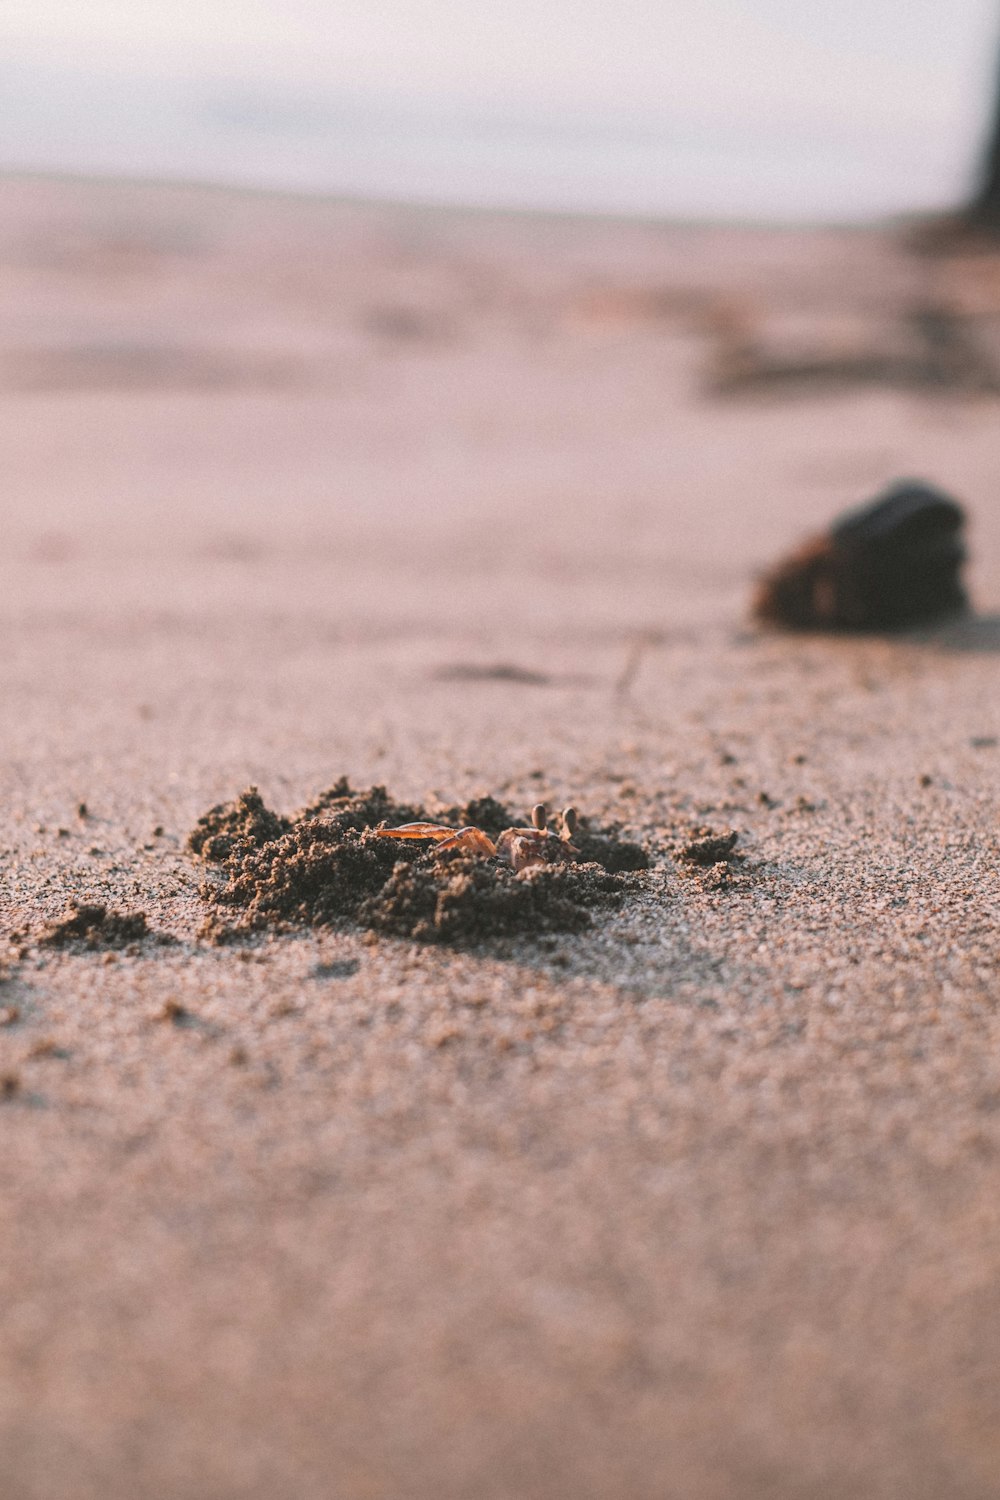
point(518, 847)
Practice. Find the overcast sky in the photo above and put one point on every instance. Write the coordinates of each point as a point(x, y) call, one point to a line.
point(908, 79)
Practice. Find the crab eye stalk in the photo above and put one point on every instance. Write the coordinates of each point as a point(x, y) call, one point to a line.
point(569, 821)
point(539, 816)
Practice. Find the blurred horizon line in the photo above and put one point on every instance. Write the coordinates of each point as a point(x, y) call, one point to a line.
point(184, 182)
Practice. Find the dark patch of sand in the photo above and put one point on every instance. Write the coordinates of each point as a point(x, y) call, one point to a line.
point(93, 926)
point(707, 847)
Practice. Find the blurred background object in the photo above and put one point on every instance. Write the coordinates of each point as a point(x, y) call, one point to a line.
point(984, 208)
point(890, 564)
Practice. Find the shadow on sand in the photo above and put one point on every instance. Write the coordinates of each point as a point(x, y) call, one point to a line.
point(968, 633)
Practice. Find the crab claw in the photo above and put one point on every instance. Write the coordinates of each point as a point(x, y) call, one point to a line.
point(470, 841)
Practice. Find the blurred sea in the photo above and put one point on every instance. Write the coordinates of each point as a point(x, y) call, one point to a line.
point(657, 163)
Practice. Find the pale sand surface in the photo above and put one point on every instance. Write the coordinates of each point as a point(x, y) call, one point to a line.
point(705, 1204)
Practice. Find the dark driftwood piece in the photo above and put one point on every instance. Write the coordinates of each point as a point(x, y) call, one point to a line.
point(892, 563)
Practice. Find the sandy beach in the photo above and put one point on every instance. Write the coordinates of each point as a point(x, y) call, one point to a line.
point(701, 1203)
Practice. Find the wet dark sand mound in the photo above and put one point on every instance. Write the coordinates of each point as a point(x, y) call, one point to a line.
point(328, 864)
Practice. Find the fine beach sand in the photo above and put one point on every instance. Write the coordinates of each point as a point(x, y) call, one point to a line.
point(700, 1204)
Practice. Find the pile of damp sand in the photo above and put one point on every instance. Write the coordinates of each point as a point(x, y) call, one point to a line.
point(328, 864)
